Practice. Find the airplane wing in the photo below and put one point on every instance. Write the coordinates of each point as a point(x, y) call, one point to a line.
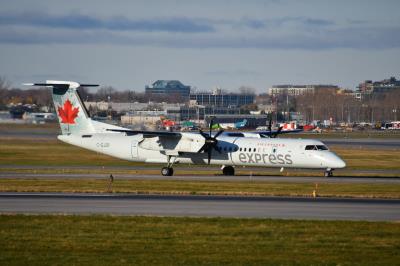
point(148, 134)
point(273, 132)
point(167, 142)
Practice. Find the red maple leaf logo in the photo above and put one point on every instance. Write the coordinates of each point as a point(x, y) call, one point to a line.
point(68, 113)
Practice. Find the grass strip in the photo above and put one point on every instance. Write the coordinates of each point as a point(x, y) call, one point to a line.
point(114, 240)
point(186, 187)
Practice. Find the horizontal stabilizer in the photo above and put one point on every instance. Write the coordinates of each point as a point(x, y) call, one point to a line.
point(64, 84)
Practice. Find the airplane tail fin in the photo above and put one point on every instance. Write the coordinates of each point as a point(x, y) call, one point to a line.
point(71, 111)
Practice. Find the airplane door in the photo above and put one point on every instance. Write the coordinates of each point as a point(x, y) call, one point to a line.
point(134, 149)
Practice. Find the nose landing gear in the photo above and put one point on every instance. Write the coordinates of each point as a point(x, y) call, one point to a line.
point(167, 171)
point(328, 172)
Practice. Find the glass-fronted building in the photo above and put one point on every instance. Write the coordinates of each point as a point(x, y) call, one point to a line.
point(222, 100)
point(168, 87)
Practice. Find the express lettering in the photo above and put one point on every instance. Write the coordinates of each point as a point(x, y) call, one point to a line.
point(265, 158)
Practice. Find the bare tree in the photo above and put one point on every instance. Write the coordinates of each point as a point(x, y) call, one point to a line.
point(247, 90)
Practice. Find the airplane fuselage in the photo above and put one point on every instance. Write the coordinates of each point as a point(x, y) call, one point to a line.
point(235, 151)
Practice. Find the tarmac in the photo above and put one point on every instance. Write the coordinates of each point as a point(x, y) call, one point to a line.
point(269, 178)
point(204, 206)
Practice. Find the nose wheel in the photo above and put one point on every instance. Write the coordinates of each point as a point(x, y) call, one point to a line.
point(167, 171)
point(328, 173)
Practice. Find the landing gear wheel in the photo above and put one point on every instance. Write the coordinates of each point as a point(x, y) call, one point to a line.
point(167, 171)
point(228, 170)
point(328, 173)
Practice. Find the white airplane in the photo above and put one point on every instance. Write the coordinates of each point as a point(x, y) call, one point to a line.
point(227, 149)
point(237, 125)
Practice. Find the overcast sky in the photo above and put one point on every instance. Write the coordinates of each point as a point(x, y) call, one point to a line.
point(129, 44)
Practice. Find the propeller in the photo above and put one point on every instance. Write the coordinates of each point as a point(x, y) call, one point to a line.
point(277, 132)
point(270, 129)
point(270, 125)
point(210, 141)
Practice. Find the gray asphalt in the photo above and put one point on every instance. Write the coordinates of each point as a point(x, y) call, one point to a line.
point(253, 170)
point(293, 179)
point(205, 206)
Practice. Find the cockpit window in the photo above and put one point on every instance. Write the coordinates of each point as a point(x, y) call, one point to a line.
point(316, 147)
point(310, 147)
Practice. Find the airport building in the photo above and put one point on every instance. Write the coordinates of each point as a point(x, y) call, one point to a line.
point(221, 99)
point(168, 88)
point(382, 86)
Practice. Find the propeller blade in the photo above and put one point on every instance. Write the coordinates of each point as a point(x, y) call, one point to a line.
point(203, 134)
point(203, 148)
point(211, 124)
point(278, 132)
point(209, 155)
point(219, 133)
point(270, 125)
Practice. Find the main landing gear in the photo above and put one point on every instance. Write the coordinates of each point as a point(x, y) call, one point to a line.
point(169, 171)
point(328, 172)
point(228, 170)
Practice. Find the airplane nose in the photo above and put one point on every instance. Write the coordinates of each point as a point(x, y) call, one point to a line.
point(339, 163)
point(336, 162)
point(331, 160)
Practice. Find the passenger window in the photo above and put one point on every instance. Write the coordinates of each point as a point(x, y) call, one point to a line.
point(254, 150)
point(240, 149)
point(244, 149)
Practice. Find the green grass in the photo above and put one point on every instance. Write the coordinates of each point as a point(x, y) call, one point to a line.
point(108, 240)
point(202, 187)
point(50, 153)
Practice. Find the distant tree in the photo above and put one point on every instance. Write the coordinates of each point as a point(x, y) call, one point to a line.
point(247, 90)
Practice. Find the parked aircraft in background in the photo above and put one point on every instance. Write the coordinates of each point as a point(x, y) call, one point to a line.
point(228, 150)
point(168, 124)
point(236, 125)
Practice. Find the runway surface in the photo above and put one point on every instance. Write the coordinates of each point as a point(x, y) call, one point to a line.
point(207, 206)
point(286, 179)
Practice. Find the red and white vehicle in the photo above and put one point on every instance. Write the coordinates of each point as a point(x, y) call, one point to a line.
point(395, 125)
